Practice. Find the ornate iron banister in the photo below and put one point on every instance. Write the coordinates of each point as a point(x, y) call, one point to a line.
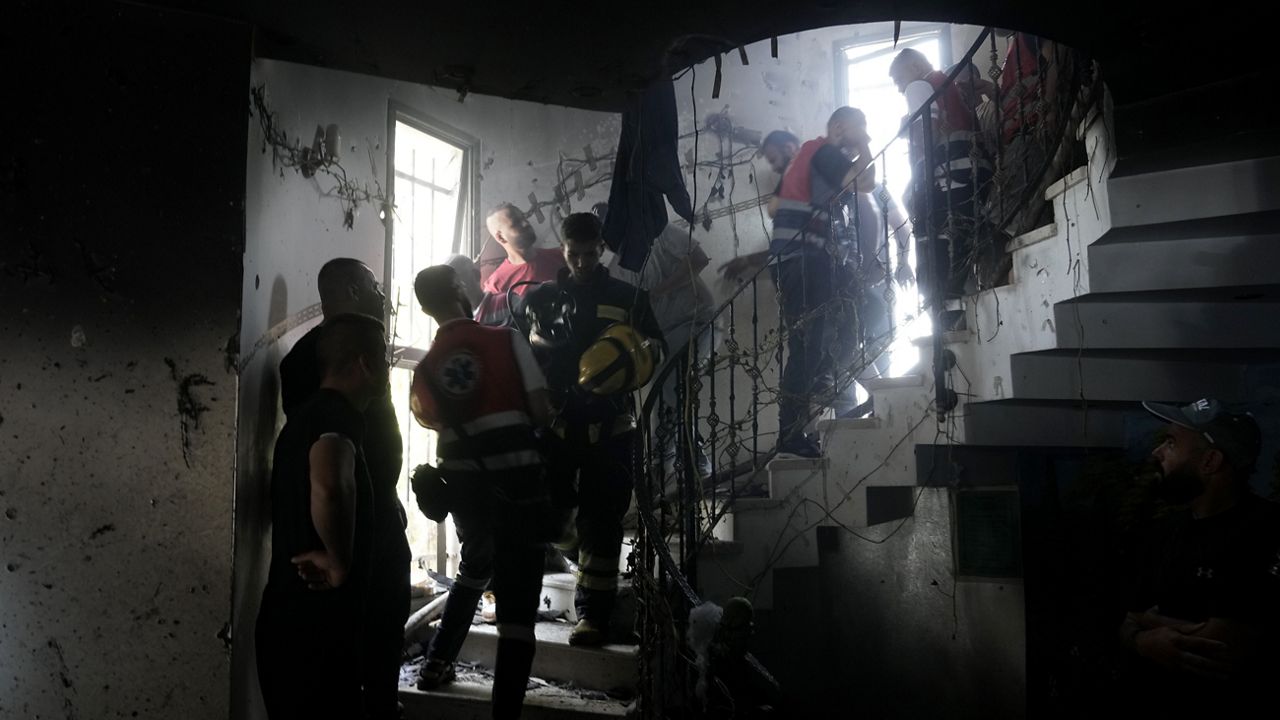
point(692, 508)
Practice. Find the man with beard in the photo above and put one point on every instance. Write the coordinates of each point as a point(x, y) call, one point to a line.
point(524, 263)
point(1202, 623)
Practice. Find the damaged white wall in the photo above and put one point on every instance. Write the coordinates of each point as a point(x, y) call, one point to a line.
point(293, 228)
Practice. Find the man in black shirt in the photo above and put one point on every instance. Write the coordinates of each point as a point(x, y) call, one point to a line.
point(322, 516)
point(1202, 616)
point(348, 286)
point(599, 431)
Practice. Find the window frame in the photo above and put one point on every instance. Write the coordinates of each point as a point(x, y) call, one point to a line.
point(465, 240)
point(879, 32)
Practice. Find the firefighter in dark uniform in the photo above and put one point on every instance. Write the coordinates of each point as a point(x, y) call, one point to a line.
point(598, 443)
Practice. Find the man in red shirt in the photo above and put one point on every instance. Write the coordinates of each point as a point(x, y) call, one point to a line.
point(511, 229)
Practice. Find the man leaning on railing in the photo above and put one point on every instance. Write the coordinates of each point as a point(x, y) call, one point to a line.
point(805, 271)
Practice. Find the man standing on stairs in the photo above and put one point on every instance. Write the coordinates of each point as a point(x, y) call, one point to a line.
point(348, 287)
point(481, 390)
point(1202, 623)
point(312, 620)
point(809, 263)
point(600, 443)
point(943, 195)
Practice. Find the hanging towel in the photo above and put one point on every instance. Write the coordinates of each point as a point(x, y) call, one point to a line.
point(645, 171)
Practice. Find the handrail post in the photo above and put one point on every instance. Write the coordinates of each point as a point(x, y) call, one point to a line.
point(938, 260)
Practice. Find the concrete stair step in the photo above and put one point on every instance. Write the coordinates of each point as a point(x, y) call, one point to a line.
point(1172, 375)
point(786, 464)
point(830, 425)
point(1225, 317)
point(468, 699)
point(892, 383)
point(1036, 236)
point(1048, 423)
point(769, 533)
point(1192, 123)
point(951, 337)
point(607, 668)
point(1218, 148)
point(1237, 250)
point(1223, 183)
point(1066, 182)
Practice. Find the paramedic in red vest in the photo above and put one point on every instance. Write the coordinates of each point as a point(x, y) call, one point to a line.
point(493, 387)
point(600, 442)
point(952, 184)
point(806, 271)
point(511, 229)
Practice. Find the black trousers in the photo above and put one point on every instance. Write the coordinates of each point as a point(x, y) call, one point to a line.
point(603, 471)
point(945, 250)
point(807, 285)
point(387, 610)
point(498, 551)
point(308, 652)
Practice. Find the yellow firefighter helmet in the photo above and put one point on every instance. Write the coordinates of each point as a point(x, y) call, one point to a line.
point(620, 360)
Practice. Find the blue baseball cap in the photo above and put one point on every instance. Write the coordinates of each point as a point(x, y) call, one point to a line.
point(1236, 435)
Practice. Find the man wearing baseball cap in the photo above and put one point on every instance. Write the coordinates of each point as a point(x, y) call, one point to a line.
point(1202, 619)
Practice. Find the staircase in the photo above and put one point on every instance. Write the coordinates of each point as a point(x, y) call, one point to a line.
point(1180, 301)
point(1159, 279)
point(567, 683)
point(1156, 280)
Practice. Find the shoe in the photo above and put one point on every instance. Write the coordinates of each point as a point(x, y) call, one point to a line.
point(802, 447)
point(586, 634)
point(435, 673)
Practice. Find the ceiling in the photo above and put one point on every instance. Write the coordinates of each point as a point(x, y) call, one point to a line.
point(589, 54)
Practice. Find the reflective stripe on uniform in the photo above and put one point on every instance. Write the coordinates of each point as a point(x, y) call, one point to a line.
point(611, 312)
point(598, 572)
point(488, 422)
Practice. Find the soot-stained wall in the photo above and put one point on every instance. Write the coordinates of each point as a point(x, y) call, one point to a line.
point(121, 181)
